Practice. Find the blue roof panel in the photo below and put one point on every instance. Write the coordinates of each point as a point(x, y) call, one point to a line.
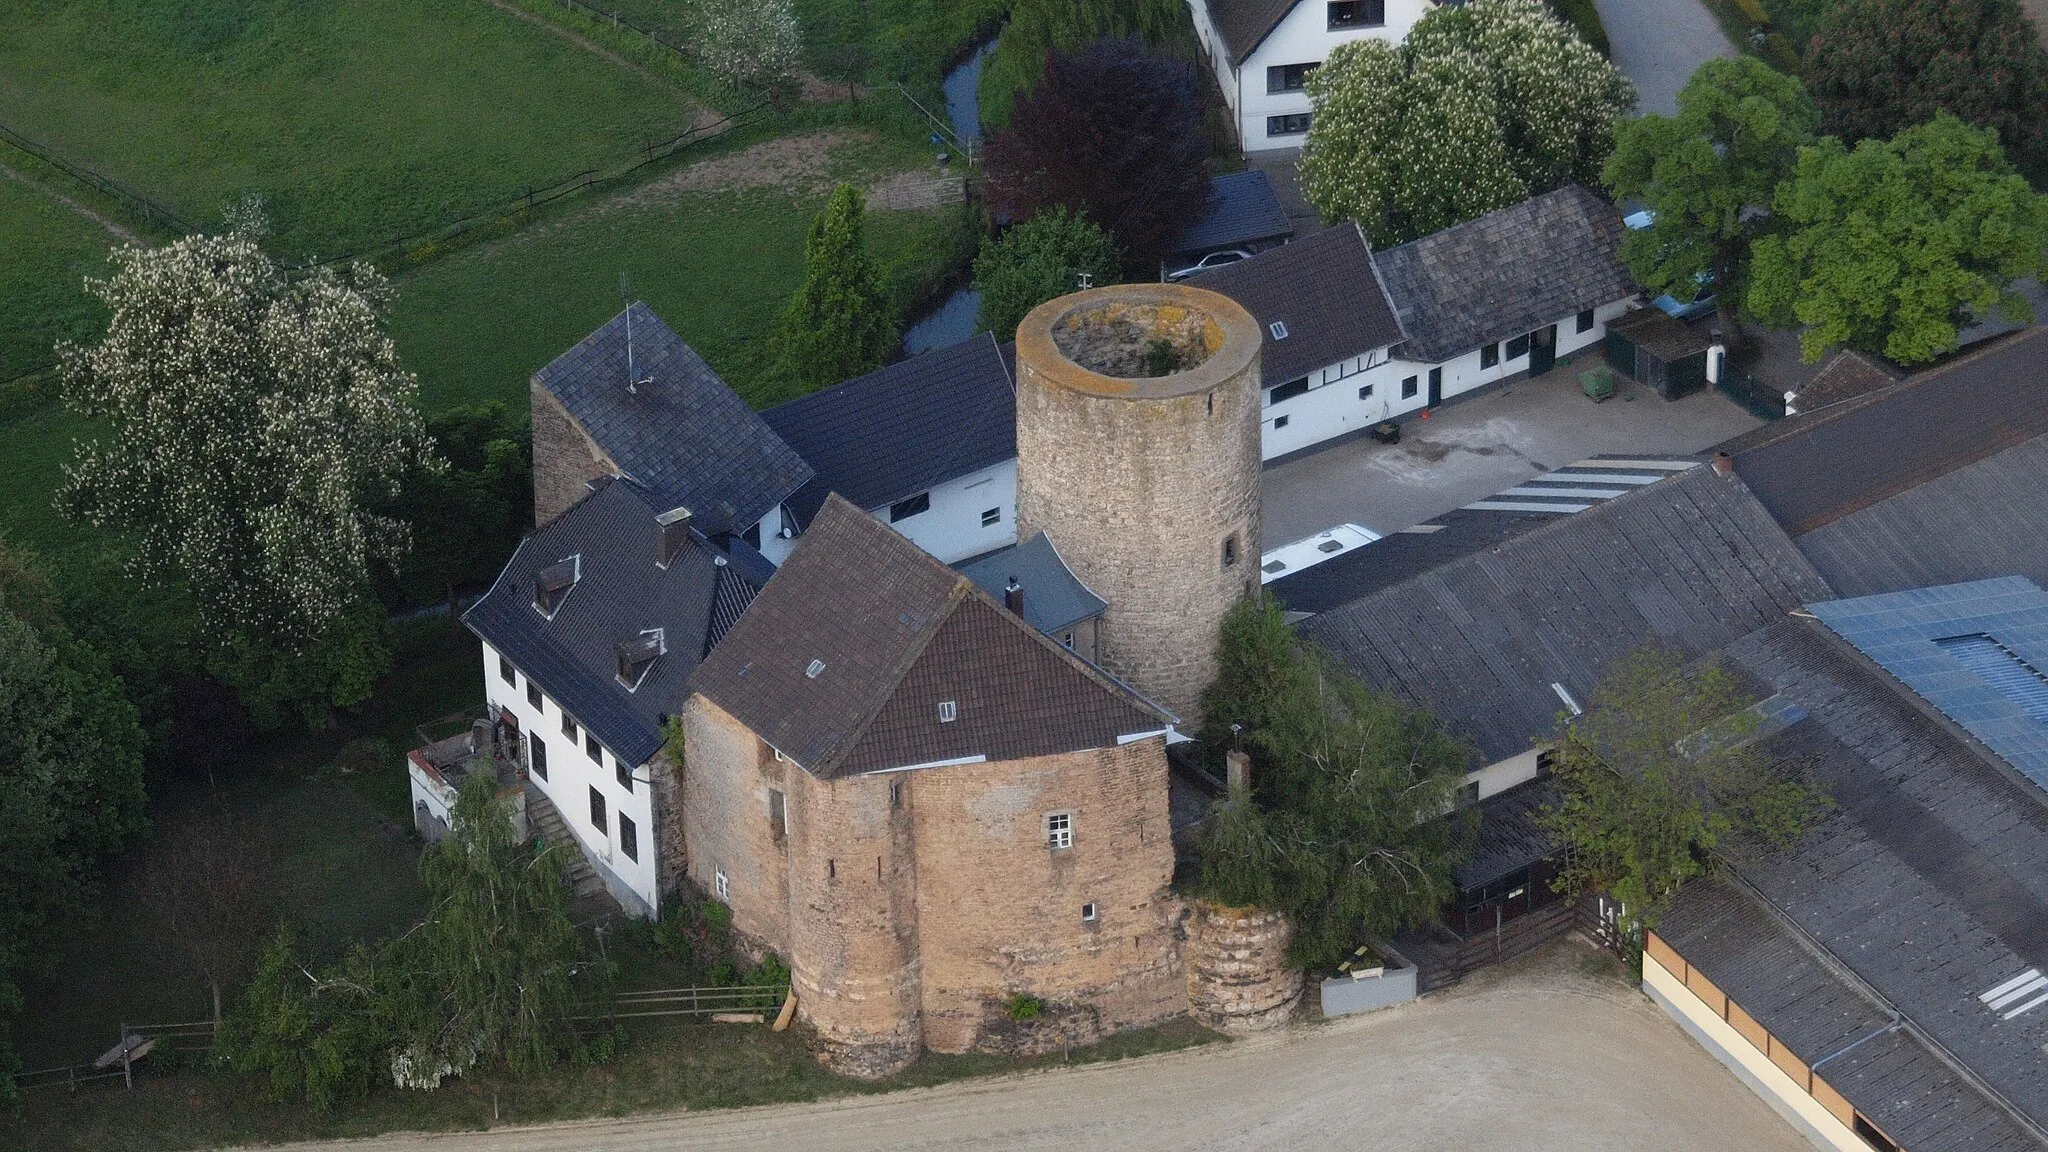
point(1976, 651)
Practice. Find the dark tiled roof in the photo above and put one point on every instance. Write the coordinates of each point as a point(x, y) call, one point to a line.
point(1982, 520)
point(1928, 878)
point(1890, 1076)
point(681, 433)
point(1511, 834)
point(1400, 556)
point(1054, 598)
point(1847, 375)
point(1242, 209)
point(1693, 561)
point(1506, 273)
point(894, 433)
point(1323, 288)
point(896, 633)
point(1858, 453)
point(619, 593)
point(1245, 24)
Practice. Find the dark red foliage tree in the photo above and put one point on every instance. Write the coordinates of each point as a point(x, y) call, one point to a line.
point(1112, 132)
point(1877, 66)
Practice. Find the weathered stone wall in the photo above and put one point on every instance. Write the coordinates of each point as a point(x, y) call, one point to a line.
point(727, 774)
point(1140, 483)
point(1238, 976)
point(999, 913)
point(854, 921)
point(565, 458)
point(665, 805)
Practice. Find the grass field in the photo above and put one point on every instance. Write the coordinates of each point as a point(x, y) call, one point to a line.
point(717, 266)
point(355, 119)
point(46, 251)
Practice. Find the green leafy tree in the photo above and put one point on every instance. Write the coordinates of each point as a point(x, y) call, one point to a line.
point(1345, 827)
point(1659, 774)
point(486, 980)
point(1039, 260)
point(1480, 107)
point(70, 778)
point(253, 422)
point(1038, 28)
point(1896, 245)
point(466, 517)
point(1878, 67)
point(839, 324)
point(1708, 175)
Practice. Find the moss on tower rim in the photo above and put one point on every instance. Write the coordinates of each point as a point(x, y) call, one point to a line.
point(1106, 328)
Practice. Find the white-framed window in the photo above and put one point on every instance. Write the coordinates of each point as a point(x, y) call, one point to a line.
point(949, 711)
point(1059, 830)
point(991, 517)
point(721, 885)
point(1088, 913)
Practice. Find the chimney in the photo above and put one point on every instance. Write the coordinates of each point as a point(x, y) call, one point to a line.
point(1237, 771)
point(672, 531)
point(1724, 464)
point(1013, 596)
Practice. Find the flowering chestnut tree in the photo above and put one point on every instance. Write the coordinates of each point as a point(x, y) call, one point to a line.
point(749, 43)
point(252, 420)
point(1481, 107)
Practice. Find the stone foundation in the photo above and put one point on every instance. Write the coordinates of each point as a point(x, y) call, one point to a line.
point(1239, 979)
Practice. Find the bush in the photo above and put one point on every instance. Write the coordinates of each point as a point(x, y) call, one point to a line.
point(1753, 11)
point(1039, 260)
point(1022, 1007)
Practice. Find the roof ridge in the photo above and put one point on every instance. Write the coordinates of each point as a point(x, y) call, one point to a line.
point(886, 685)
point(1101, 676)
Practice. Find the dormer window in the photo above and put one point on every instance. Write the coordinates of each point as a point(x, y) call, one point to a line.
point(552, 585)
point(638, 655)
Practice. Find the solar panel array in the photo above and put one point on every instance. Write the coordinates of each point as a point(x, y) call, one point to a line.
point(1975, 651)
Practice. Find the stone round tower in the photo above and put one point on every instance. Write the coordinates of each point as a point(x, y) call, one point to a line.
point(1138, 454)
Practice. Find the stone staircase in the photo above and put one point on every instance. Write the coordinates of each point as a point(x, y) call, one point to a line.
point(546, 821)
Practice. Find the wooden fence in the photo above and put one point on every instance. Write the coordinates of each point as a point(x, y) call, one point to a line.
point(135, 201)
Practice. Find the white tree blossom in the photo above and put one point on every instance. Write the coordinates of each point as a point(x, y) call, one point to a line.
point(252, 422)
point(1478, 108)
point(749, 43)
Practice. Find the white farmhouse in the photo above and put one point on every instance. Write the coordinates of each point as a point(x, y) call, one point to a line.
point(1263, 50)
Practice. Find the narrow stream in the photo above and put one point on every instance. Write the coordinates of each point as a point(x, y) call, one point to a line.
point(952, 319)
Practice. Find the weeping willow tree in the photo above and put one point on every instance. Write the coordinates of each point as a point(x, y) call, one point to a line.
point(1344, 826)
point(1038, 27)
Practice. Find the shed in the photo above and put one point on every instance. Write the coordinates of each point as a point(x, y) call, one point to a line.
point(1242, 212)
point(1653, 349)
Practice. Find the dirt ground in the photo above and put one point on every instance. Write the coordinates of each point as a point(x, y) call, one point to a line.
point(1553, 1053)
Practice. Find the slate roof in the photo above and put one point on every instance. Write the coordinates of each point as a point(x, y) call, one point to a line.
point(1245, 24)
point(1242, 209)
point(1400, 556)
point(1510, 834)
point(1324, 288)
point(620, 592)
point(1054, 598)
point(1693, 561)
point(1927, 879)
point(1982, 520)
point(1891, 1077)
point(1865, 451)
point(681, 433)
point(878, 438)
point(893, 633)
point(1506, 273)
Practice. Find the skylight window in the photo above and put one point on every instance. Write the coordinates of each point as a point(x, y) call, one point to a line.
point(552, 584)
point(2002, 669)
point(817, 667)
point(1278, 328)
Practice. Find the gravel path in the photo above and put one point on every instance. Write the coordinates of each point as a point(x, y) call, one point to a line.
point(1659, 43)
point(1552, 1054)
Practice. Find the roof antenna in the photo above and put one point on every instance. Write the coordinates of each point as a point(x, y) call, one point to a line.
point(633, 380)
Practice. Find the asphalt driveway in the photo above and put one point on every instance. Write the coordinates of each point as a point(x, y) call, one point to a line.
point(1659, 43)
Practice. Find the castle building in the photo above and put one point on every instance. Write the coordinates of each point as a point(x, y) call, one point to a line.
point(928, 807)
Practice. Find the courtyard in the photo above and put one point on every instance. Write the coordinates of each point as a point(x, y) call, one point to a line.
point(1471, 449)
point(1555, 1051)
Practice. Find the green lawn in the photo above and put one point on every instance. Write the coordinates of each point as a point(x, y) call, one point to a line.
point(46, 252)
point(717, 267)
point(355, 119)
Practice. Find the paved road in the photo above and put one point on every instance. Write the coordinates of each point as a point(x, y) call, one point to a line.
point(1546, 1058)
point(1659, 43)
point(1474, 448)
